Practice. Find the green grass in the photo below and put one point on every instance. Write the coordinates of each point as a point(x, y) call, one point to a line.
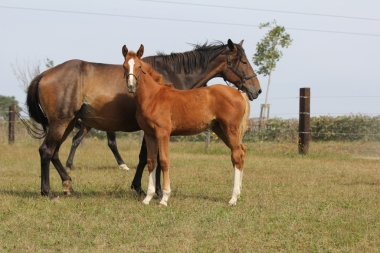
point(327, 201)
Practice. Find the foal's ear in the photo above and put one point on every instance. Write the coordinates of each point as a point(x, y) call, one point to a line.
point(231, 45)
point(140, 52)
point(241, 43)
point(125, 51)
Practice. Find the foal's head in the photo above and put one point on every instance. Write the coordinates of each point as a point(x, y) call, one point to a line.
point(134, 67)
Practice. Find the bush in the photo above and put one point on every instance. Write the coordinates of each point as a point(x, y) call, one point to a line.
point(323, 128)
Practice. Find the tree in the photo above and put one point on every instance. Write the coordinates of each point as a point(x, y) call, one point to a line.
point(267, 53)
point(5, 102)
point(26, 72)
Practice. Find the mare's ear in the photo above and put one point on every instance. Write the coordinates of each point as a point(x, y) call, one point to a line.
point(241, 43)
point(231, 45)
point(125, 51)
point(140, 52)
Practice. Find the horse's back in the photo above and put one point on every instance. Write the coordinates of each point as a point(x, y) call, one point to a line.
point(90, 91)
point(193, 111)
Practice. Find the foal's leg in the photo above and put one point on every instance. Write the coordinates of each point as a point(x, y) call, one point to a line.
point(136, 182)
point(152, 148)
point(238, 151)
point(84, 129)
point(163, 147)
point(111, 136)
point(49, 149)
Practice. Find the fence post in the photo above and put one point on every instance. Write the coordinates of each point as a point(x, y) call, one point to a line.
point(208, 133)
point(304, 121)
point(12, 121)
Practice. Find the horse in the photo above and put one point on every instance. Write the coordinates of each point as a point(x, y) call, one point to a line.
point(95, 94)
point(187, 70)
point(163, 111)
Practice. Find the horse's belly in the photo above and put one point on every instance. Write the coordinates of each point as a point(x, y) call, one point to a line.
point(191, 129)
point(110, 120)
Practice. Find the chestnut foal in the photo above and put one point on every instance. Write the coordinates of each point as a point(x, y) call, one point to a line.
point(163, 111)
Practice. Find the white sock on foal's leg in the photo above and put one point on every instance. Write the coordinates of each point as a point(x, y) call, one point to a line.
point(237, 186)
point(151, 187)
point(165, 197)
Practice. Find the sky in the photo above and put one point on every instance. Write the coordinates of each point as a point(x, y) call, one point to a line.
point(335, 49)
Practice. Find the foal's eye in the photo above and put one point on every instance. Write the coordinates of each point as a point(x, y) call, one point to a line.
point(244, 62)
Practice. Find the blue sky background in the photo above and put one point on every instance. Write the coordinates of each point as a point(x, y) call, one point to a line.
point(336, 53)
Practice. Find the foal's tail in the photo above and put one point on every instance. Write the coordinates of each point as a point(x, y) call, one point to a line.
point(244, 120)
point(34, 110)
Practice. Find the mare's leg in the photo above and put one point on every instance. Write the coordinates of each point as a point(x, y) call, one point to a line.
point(136, 182)
point(49, 149)
point(152, 148)
point(230, 136)
point(111, 136)
point(163, 147)
point(84, 129)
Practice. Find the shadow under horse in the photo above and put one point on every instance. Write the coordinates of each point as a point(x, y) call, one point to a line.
point(96, 94)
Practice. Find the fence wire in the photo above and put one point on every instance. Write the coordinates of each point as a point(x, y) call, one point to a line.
point(254, 127)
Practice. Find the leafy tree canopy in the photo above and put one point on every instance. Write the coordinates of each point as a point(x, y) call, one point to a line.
point(5, 102)
point(267, 52)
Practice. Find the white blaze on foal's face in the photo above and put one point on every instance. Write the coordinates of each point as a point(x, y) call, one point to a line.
point(131, 64)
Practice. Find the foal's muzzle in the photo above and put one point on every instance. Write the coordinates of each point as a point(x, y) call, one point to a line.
point(132, 86)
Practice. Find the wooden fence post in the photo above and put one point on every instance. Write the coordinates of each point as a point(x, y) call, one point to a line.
point(304, 121)
point(208, 134)
point(12, 121)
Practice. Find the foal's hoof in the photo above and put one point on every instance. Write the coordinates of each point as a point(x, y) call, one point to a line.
point(145, 202)
point(67, 188)
point(163, 203)
point(139, 190)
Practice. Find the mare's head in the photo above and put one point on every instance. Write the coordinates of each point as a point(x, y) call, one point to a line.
point(239, 71)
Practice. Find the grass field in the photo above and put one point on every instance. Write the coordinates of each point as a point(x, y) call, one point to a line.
point(327, 201)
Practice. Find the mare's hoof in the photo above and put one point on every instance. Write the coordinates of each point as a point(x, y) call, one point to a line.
point(70, 166)
point(123, 167)
point(55, 199)
point(48, 194)
point(139, 190)
point(159, 193)
point(68, 189)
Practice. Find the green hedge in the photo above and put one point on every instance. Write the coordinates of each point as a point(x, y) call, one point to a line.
point(323, 128)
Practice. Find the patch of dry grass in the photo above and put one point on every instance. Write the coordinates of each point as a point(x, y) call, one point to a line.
point(327, 201)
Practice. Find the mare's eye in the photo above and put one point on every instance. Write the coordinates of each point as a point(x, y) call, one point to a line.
point(244, 62)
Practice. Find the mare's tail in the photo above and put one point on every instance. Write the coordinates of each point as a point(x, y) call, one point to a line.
point(34, 110)
point(244, 120)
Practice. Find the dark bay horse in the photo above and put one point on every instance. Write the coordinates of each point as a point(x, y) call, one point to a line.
point(96, 94)
point(163, 111)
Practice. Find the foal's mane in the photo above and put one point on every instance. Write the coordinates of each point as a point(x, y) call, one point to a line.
point(200, 56)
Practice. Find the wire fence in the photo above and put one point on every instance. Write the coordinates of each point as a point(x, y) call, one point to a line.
point(341, 127)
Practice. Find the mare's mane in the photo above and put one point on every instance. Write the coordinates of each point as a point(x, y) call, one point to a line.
point(189, 61)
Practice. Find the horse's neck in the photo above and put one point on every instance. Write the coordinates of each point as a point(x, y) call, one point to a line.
point(147, 89)
point(197, 78)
